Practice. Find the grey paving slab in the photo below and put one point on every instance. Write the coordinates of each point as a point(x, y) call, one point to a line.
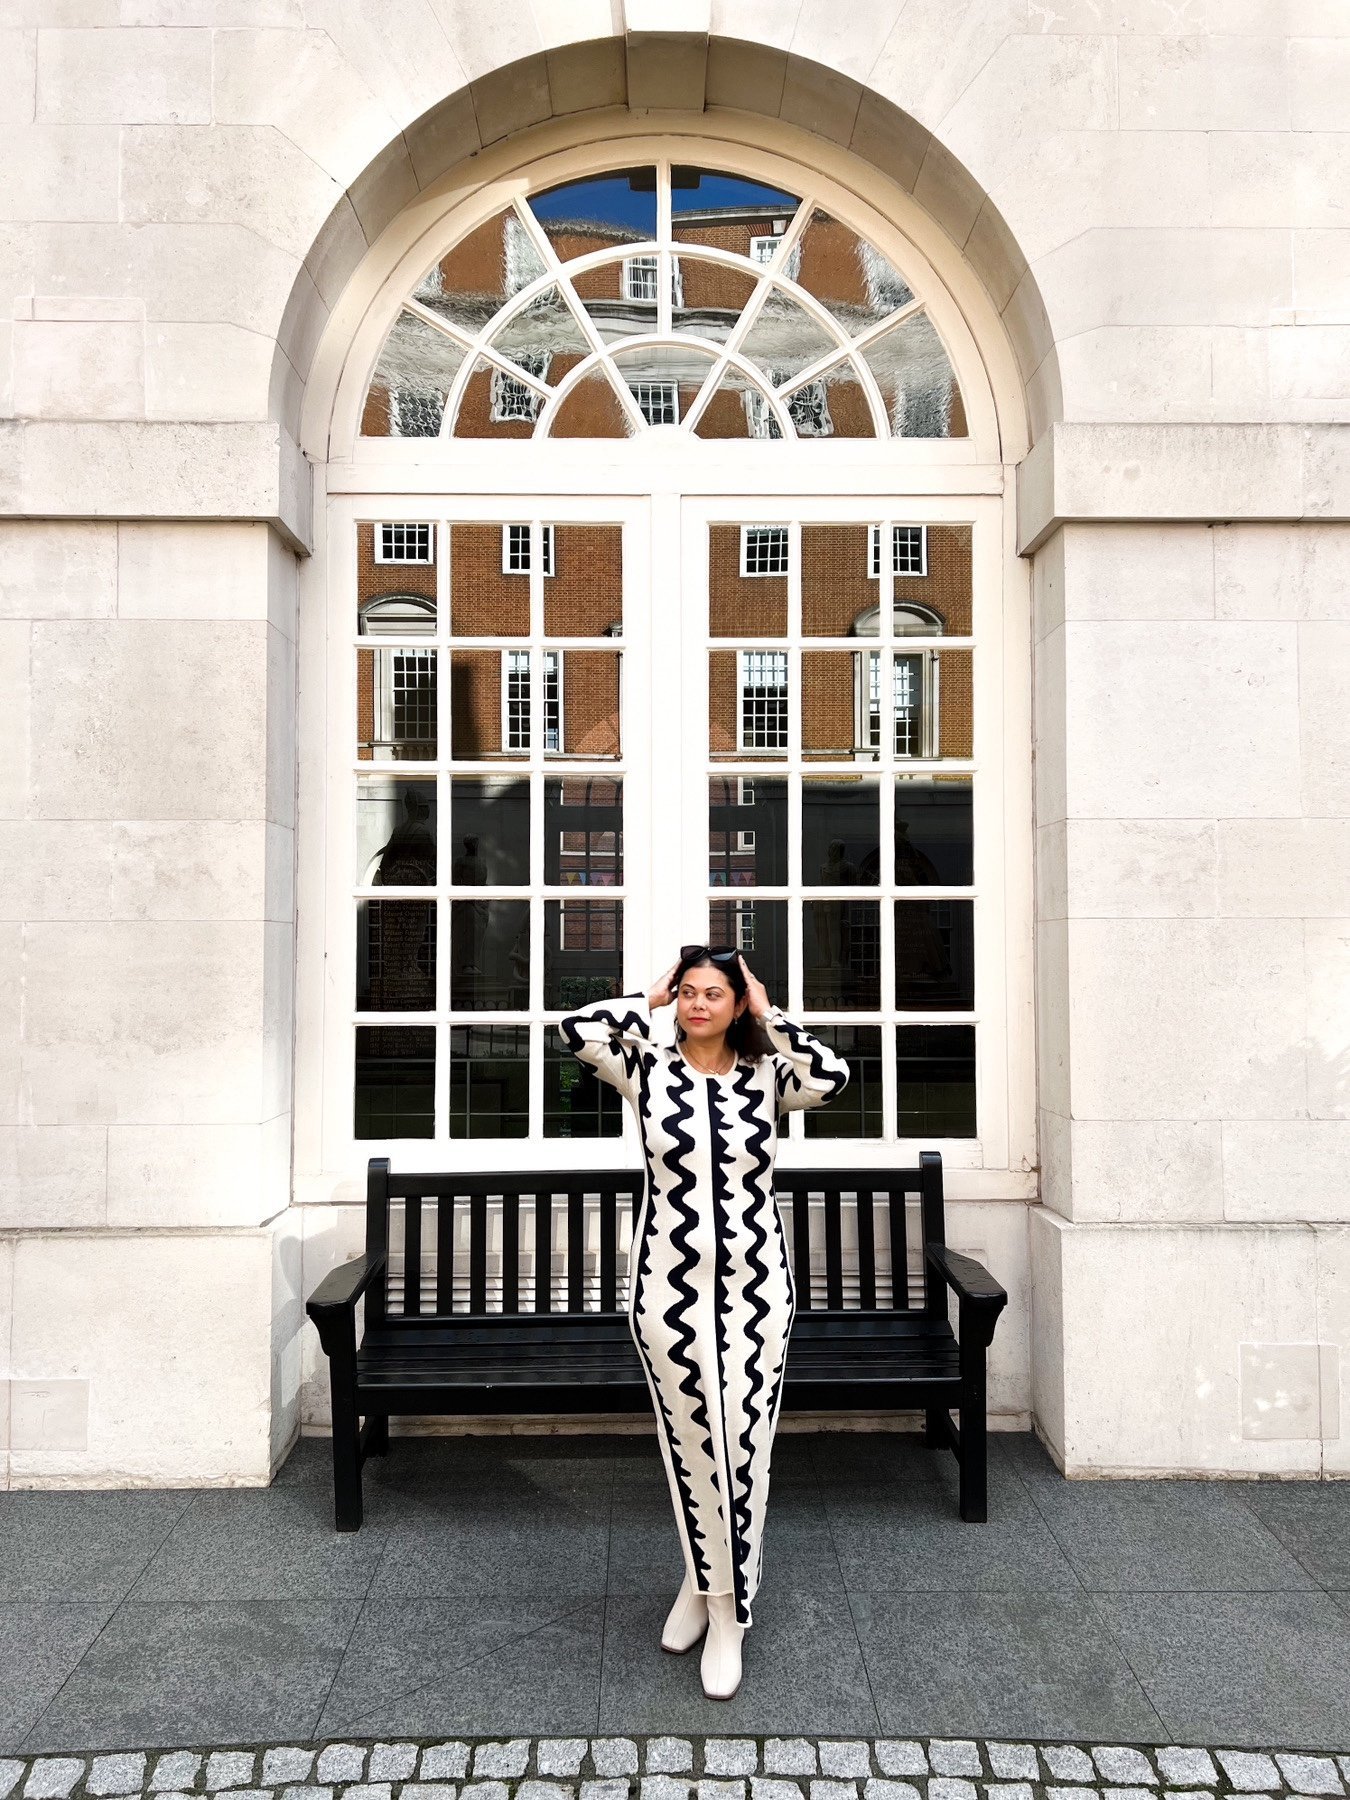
point(876, 1456)
point(470, 1665)
point(1240, 1669)
point(43, 1642)
point(1014, 1664)
point(644, 1550)
point(164, 1674)
point(478, 1541)
point(87, 1546)
point(261, 1544)
point(803, 1671)
point(1312, 1520)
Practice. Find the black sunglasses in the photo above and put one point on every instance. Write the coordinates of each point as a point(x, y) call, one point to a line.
point(720, 954)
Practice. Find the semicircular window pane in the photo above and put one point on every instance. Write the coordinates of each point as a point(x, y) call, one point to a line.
point(785, 338)
point(591, 410)
point(475, 279)
point(544, 338)
point(737, 408)
point(918, 389)
point(496, 404)
point(620, 296)
point(598, 212)
point(407, 393)
point(709, 297)
point(729, 212)
point(850, 277)
point(834, 405)
point(664, 380)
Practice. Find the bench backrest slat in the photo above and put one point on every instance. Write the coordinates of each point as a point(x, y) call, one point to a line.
point(543, 1251)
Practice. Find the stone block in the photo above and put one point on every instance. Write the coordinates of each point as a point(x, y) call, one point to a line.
point(130, 76)
point(57, 569)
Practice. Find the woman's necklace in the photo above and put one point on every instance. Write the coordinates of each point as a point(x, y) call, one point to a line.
point(705, 1071)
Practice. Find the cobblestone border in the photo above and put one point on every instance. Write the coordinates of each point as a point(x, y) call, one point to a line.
point(681, 1768)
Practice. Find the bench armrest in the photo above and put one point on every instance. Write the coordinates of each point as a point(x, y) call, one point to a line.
point(332, 1305)
point(982, 1298)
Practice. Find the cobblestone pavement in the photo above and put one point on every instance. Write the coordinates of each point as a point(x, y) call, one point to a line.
point(682, 1768)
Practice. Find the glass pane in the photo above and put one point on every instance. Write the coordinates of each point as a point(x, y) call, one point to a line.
point(395, 833)
point(394, 1093)
point(841, 955)
point(737, 408)
point(598, 211)
point(839, 590)
point(759, 930)
point(620, 297)
point(933, 837)
point(857, 1112)
point(834, 712)
point(411, 383)
point(545, 339)
point(709, 297)
point(489, 831)
point(583, 832)
point(583, 589)
point(577, 1104)
point(583, 952)
point(490, 580)
point(935, 955)
point(591, 410)
point(489, 955)
point(841, 839)
point(747, 832)
point(582, 703)
point(747, 580)
point(930, 566)
point(935, 1077)
point(748, 703)
point(396, 705)
point(663, 379)
point(395, 955)
point(728, 212)
point(932, 699)
point(396, 579)
point(489, 1081)
point(918, 388)
point(481, 273)
point(496, 405)
point(850, 277)
point(835, 405)
point(784, 338)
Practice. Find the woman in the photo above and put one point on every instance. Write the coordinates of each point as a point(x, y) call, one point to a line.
point(711, 1298)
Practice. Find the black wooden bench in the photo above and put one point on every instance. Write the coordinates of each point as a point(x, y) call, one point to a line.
point(470, 1335)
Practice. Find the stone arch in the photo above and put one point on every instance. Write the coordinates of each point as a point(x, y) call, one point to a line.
point(586, 88)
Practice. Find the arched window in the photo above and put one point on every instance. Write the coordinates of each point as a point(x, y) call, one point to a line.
point(629, 455)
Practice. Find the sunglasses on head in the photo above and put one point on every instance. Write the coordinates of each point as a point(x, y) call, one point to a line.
point(721, 953)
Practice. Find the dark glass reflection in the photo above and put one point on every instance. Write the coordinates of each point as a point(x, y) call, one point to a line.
point(709, 191)
point(934, 954)
point(933, 835)
point(579, 216)
point(395, 1086)
point(577, 1104)
point(583, 832)
point(490, 833)
point(396, 833)
point(489, 955)
point(841, 955)
point(857, 1112)
point(935, 1081)
point(841, 835)
point(489, 1081)
point(747, 832)
point(583, 951)
point(759, 930)
point(395, 955)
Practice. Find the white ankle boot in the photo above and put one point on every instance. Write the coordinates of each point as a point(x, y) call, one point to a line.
point(721, 1663)
point(686, 1621)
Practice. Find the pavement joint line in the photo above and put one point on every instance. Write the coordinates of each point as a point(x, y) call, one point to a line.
point(674, 1766)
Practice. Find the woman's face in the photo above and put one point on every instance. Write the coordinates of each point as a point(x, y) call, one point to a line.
point(706, 1004)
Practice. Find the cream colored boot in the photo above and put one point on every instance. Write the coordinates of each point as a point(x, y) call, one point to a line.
point(721, 1663)
point(686, 1621)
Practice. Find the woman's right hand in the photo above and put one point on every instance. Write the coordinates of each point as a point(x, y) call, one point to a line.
point(661, 993)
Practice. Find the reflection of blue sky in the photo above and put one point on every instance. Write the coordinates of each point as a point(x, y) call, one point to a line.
point(727, 191)
point(602, 200)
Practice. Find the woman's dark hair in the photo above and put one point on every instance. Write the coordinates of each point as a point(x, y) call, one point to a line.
point(745, 1035)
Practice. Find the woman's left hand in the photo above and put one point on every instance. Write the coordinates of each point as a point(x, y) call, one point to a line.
point(760, 1002)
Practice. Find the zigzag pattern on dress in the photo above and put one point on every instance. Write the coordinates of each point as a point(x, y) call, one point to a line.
point(711, 1301)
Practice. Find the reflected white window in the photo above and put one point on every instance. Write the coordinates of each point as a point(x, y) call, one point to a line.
point(763, 249)
point(759, 419)
point(764, 549)
point(516, 549)
point(512, 399)
point(396, 542)
point(640, 276)
point(909, 550)
point(809, 410)
point(516, 700)
point(657, 401)
point(522, 259)
point(762, 713)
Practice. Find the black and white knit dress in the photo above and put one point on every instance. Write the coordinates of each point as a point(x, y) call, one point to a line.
point(711, 1297)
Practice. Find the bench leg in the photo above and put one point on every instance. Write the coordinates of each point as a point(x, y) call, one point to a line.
point(974, 1456)
point(347, 1508)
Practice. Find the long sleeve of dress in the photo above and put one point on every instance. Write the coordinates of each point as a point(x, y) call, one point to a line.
point(808, 1073)
point(612, 1036)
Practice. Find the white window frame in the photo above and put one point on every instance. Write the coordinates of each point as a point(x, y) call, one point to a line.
point(743, 688)
point(764, 247)
point(553, 679)
point(670, 400)
point(874, 553)
point(749, 574)
point(507, 394)
point(516, 561)
point(647, 264)
point(399, 525)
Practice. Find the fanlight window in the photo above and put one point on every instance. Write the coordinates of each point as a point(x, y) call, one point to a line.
point(578, 313)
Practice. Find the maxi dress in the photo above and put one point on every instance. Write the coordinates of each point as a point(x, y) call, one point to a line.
point(711, 1297)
